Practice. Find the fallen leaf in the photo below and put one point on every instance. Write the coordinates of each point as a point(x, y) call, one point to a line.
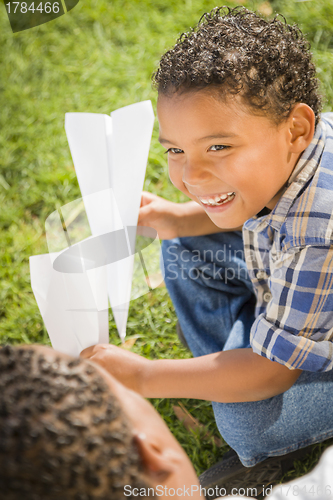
point(155, 280)
point(129, 343)
point(191, 423)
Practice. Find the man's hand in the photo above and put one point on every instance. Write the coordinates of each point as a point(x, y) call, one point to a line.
point(233, 376)
point(125, 366)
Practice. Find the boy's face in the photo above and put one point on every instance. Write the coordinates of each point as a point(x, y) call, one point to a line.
point(231, 162)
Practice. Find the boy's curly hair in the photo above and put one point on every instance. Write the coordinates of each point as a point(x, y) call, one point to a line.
point(63, 434)
point(267, 62)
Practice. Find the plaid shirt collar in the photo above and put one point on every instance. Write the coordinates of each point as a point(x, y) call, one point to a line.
point(304, 170)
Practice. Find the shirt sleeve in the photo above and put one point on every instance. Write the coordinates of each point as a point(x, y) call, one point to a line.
point(296, 329)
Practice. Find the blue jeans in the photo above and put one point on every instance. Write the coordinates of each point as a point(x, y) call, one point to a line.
point(207, 280)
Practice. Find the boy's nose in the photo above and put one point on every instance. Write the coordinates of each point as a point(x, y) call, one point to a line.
point(195, 173)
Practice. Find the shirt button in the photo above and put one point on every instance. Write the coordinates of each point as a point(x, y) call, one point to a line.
point(261, 275)
point(267, 296)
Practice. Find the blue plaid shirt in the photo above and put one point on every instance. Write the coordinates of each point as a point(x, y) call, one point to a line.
point(289, 255)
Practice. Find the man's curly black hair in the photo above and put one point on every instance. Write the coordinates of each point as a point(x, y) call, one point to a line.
point(267, 62)
point(63, 434)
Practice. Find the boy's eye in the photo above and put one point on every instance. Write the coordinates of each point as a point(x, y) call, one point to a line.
point(217, 147)
point(174, 151)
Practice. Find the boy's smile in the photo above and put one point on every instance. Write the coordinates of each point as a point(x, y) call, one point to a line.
point(231, 162)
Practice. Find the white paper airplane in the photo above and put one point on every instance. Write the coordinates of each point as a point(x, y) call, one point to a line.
point(72, 282)
point(112, 153)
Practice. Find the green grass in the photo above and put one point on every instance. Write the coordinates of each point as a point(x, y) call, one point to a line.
point(97, 58)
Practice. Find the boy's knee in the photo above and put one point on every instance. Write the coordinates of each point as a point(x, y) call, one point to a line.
point(245, 425)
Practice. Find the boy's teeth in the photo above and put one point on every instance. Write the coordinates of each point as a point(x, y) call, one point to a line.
point(218, 199)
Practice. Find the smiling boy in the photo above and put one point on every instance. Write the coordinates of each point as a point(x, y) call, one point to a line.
point(238, 109)
point(241, 159)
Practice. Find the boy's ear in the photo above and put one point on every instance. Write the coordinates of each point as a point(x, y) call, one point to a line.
point(158, 462)
point(301, 127)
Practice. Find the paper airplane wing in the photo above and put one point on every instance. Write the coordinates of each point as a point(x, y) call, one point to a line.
point(132, 128)
point(74, 314)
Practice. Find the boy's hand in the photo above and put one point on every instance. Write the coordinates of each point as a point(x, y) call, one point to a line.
point(125, 366)
point(160, 214)
point(173, 220)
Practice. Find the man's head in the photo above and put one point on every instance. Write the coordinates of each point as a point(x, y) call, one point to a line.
point(237, 106)
point(236, 51)
point(70, 431)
